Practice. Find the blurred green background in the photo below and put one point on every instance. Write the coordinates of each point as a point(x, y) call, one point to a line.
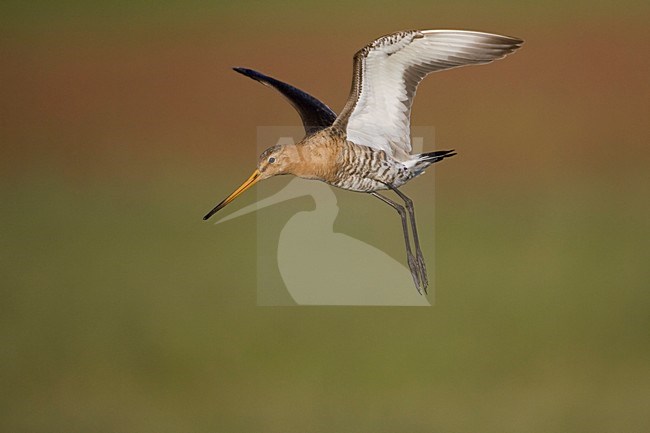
point(121, 124)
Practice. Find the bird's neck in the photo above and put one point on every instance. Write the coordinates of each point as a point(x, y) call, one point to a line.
point(315, 159)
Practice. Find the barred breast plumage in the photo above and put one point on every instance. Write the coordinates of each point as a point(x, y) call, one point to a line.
point(365, 169)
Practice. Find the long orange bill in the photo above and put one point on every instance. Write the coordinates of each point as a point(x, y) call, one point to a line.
point(244, 186)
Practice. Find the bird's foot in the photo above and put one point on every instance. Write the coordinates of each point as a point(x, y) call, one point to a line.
point(416, 273)
point(423, 271)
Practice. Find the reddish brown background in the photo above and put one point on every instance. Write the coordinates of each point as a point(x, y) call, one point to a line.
point(122, 124)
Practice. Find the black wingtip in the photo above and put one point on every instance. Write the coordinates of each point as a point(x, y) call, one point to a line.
point(314, 114)
point(250, 73)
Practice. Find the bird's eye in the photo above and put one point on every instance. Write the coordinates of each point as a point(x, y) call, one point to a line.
point(271, 160)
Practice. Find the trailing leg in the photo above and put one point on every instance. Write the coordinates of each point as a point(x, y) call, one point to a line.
point(413, 263)
point(416, 241)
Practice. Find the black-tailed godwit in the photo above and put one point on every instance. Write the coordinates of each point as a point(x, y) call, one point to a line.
point(367, 147)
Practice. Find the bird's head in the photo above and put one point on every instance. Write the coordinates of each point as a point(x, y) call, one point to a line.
point(276, 160)
point(273, 161)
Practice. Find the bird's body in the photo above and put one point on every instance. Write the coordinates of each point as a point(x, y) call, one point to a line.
point(329, 157)
point(365, 169)
point(367, 147)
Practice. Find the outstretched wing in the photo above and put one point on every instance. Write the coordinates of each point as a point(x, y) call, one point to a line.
point(314, 114)
point(388, 71)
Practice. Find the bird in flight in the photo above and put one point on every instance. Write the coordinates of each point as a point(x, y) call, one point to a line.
point(367, 147)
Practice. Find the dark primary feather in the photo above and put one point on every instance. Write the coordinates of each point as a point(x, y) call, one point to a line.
point(314, 114)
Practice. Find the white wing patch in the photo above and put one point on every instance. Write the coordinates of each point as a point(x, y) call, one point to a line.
point(387, 73)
